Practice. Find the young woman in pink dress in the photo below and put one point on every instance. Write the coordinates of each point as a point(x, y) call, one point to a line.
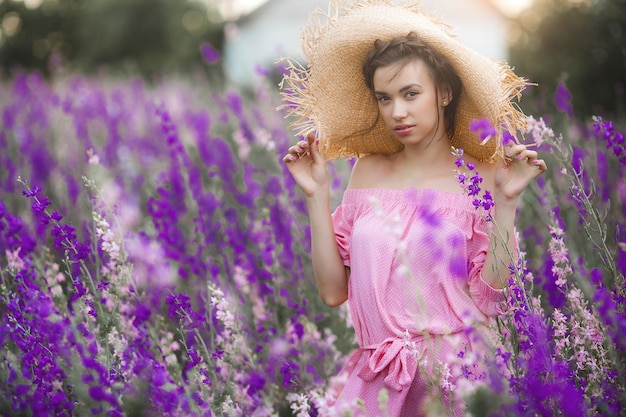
point(406, 247)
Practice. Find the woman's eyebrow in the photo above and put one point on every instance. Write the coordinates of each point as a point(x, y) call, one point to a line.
point(402, 90)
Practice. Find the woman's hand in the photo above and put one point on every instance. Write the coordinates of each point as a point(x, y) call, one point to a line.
point(307, 167)
point(516, 171)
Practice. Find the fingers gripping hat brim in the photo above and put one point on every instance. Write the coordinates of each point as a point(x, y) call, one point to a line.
point(330, 97)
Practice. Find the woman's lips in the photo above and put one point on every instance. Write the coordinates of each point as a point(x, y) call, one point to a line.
point(403, 130)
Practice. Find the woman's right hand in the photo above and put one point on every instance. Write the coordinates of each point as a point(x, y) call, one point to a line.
point(307, 167)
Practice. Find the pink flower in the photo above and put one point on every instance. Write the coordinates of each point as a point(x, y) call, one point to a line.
point(538, 130)
point(13, 258)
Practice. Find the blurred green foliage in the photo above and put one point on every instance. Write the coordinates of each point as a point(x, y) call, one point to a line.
point(147, 37)
point(581, 43)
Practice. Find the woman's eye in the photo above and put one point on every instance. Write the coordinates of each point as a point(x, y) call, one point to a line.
point(383, 99)
point(412, 93)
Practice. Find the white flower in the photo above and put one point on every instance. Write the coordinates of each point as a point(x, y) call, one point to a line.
point(230, 409)
point(299, 404)
point(223, 313)
point(446, 377)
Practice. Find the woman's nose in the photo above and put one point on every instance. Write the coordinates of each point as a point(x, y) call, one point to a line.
point(399, 111)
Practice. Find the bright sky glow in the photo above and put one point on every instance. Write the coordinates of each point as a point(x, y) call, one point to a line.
point(513, 7)
point(31, 4)
point(509, 7)
point(239, 7)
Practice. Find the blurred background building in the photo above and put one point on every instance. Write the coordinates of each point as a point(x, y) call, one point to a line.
point(273, 30)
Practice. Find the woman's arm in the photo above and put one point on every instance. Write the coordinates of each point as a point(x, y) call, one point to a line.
point(511, 178)
point(309, 170)
point(331, 276)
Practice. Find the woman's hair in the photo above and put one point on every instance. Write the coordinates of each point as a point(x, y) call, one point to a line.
point(405, 49)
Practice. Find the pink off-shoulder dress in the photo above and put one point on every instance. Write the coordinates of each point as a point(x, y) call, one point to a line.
point(415, 286)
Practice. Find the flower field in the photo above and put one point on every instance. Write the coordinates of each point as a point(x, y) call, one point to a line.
point(154, 261)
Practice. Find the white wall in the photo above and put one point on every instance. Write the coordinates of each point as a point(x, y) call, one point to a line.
point(477, 23)
point(274, 30)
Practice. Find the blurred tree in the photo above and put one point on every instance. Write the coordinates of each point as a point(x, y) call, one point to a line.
point(149, 37)
point(579, 42)
point(29, 37)
point(155, 35)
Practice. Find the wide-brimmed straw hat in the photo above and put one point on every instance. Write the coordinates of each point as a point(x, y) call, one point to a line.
point(329, 96)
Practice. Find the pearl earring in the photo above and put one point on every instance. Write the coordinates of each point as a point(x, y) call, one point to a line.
point(445, 102)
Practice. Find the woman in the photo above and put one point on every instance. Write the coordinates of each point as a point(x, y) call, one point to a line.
point(406, 248)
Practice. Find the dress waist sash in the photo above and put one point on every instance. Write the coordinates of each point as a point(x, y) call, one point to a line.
point(400, 355)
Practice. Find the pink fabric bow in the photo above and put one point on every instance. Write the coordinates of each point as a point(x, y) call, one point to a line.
point(392, 353)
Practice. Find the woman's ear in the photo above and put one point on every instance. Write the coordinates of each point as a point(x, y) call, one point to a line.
point(445, 93)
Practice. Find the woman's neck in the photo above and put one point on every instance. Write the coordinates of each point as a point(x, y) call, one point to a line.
point(429, 158)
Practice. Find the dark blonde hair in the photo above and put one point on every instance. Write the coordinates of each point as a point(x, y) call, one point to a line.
point(405, 49)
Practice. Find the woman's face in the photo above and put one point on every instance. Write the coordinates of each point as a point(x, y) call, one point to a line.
point(408, 102)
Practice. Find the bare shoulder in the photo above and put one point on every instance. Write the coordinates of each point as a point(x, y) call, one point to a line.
point(367, 170)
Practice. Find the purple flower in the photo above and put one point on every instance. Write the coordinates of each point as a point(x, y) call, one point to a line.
point(507, 138)
point(141, 313)
point(483, 128)
point(193, 358)
point(289, 371)
point(563, 100)
point(262, 71)
point(474, 187)
point(548, 283)
point(487, 202)
point(218, 354)
point(32, 192)
point(614, 139)
point(612, 315)
point(235, 103)
point(256, 382)
point(97, 393)
point(39, 205)
point(209, 53)
point(178, 305)
point(602, 169)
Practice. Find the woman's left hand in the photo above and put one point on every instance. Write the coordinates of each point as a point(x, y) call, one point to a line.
point(515, 172)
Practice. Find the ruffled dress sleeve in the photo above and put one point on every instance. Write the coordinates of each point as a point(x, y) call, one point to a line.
point(487, 299)
point(343, 219)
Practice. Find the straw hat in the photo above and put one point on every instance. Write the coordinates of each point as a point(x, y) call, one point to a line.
point(330, 97)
